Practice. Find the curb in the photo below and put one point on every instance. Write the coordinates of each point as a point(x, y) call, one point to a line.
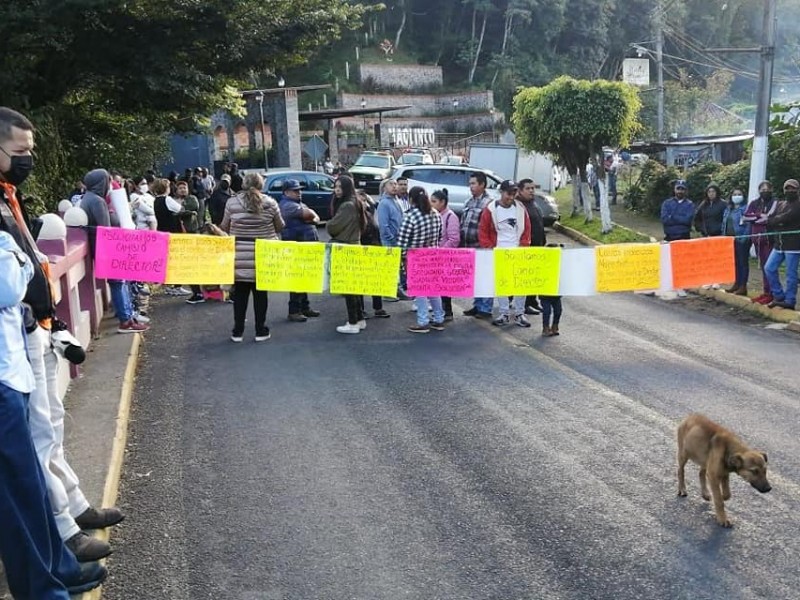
point(111, 488)
point(779, 315)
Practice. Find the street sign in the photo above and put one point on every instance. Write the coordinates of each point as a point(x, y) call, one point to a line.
point(315, 148)
point(636, 71)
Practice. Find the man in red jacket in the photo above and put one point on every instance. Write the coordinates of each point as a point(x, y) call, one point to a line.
point(505, 224)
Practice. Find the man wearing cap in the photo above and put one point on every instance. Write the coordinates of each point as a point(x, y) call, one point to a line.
point(301, 226)
point(505, 224)
point(677, 214)
point(786, 224)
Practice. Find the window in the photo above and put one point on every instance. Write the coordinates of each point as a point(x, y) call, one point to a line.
point(319, 183)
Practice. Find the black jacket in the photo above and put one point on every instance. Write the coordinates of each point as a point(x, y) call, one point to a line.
point(708, 217)
point(786, 218)
point(37, 298)
point(538, 237)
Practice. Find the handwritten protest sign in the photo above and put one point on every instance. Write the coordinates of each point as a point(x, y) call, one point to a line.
point(364, 270)
point(131, 255)
point(441, 272)
point(200, 259)
point(526, 271)
point(628, 267)
point(290, 266)
point(702, 261)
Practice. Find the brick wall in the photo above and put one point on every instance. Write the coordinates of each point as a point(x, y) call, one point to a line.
point(405, 76)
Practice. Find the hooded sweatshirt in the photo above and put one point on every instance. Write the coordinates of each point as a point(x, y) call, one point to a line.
point(93, 203)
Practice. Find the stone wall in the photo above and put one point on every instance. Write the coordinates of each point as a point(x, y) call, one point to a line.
point(401, 76)
point(422, 105)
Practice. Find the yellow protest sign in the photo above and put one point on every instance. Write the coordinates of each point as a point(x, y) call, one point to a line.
point(628, 267)
point(290, 266)
point(526, 271)
point(200, 259)
point(364, 270)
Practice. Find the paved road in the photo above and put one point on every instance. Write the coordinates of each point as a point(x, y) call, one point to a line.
point(473, 463)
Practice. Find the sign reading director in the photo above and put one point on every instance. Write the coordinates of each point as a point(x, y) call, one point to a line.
point(131, 255)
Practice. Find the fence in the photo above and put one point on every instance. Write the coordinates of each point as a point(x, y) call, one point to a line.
point(80, 298)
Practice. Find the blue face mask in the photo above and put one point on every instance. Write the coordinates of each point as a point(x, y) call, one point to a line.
point(737, 199)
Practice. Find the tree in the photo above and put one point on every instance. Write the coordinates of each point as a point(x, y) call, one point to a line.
point(572, 120)
point(116, 73)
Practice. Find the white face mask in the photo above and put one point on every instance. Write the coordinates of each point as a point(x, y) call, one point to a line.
point(143, 189)
point(737, 199)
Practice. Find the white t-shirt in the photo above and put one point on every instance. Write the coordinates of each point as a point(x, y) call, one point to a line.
point(507, 226)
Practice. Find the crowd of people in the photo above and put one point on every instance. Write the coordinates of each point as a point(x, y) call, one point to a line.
point(767, 225)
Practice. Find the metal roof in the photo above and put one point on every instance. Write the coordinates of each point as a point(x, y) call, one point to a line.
point(338, 113)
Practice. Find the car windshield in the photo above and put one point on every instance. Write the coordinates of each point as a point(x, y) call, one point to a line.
point(370, 160)
point(410, 159)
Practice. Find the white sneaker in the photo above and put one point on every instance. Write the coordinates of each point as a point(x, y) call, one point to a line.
point(140, 318)
point(681, 293)
point(521, 321)
point(236, 339)
point(348, 328)
point(362, 324)
point(181, 291)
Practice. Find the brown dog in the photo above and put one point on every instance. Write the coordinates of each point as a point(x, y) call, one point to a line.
point(719, 453)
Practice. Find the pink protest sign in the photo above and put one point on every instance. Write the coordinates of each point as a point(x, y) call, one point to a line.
point(132, 255)
point(441, 272)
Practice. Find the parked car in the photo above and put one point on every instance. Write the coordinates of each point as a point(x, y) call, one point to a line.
point(317, 188)
point(371, 168)
point(416, 158)
point(456, 179)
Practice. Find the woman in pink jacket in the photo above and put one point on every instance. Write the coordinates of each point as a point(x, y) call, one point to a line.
point(451, 236)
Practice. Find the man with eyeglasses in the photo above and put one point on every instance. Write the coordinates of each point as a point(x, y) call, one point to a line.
point(505, 224)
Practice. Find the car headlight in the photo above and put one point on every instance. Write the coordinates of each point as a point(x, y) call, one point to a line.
point(378, 177)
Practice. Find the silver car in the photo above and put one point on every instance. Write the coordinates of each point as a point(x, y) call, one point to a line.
point(456, 180)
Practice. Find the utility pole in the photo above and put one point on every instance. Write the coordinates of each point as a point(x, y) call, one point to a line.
point(758, 162)
point(659, 24)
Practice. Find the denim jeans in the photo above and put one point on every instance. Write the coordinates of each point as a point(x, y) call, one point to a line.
point(121, 300)
point(775, 260)
point(484, 304)
point(741, 254)
point(519, 305)
point(551, 305)
point(421, 302)
point(35, 558)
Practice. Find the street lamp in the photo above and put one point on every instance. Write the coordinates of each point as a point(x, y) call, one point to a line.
point(260, 100)
point(363, 106)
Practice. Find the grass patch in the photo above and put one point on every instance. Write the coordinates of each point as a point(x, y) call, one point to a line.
point(618, 235)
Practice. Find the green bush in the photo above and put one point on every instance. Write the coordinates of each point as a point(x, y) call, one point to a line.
point(654, 184)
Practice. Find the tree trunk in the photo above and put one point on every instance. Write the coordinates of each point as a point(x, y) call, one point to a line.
point(478, 50)
point(605, 212)
point(576, 193)
point(509, 24)
point(402, 6)
point(588, 196)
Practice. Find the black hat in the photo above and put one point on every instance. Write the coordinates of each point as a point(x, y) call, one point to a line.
point(509, 185)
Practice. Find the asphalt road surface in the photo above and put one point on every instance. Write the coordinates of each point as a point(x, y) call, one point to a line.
point(475, 463)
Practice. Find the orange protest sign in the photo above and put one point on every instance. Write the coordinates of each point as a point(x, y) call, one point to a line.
point(701, 262)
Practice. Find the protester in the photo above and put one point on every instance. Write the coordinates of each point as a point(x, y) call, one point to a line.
point(527, 195)
point(390, 217)
point(371, 237)
point(785, 222)
point(347, 225)
point(219, 198)
point(38, 563)
point(757, 213)
point(733, 223)
point(190, 223)
point(250, 215)
point(301, 226)
point(708, 215)
point(470, 219)
point(98, 183)
point(402, 194)
point(505, 224)
point(551, 305)
point(142, 206)
point(422, 228)
point(451, 236)
point(236, 179)
point(76, 193)
point(677, 215)
point(169, 213)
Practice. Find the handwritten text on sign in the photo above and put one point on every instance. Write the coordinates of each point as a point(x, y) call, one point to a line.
point(526, 271)
point(628, 267)
point(200, 259)
point(702, 261)
point(364, 270)
point(290, 266)
point(441, 272)
point(131, 255)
